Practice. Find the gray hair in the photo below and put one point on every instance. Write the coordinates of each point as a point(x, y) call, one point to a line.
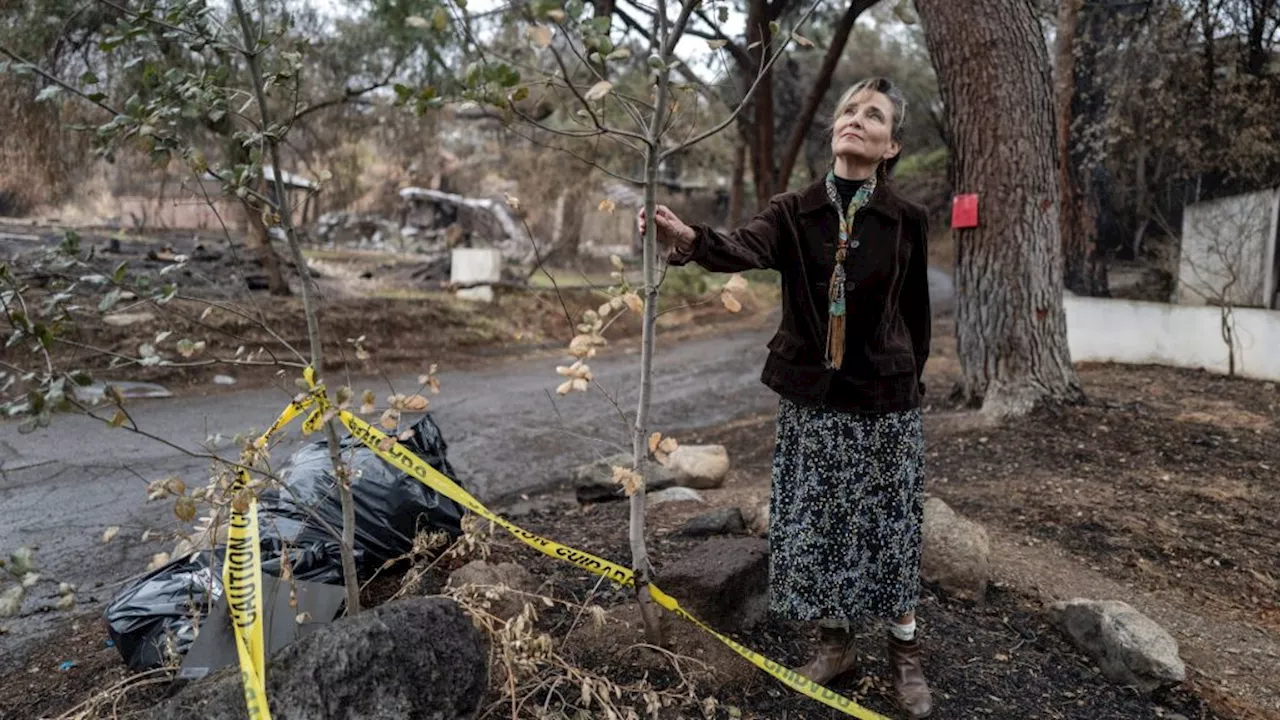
point(886, 87)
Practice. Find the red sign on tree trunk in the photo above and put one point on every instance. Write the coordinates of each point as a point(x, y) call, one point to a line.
point(964, 211)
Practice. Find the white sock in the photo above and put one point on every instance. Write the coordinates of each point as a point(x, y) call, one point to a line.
point(905, 633)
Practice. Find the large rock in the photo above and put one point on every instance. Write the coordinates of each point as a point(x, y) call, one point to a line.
point(593, 482)
point(509, 582)
point(724, 582)
point(699, 466)
point(414, 658)
point(1129, 647)
point(956, 554)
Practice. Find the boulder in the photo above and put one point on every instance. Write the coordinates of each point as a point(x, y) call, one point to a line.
point(956, 553)
point(725, 521)
point(508, 581)
point(1129, 647)
point(723, 582)
point(699, 466)
point(412, 658)
point(593, 482)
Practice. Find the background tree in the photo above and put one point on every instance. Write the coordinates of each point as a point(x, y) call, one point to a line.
point(993, 70)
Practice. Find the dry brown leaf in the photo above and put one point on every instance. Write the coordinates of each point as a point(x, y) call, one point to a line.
point(565, 388)
point(801, 40)
point(668, 445)
point(717, 44)
point(608, 206)
point(737, 283)
point(633, 302)
point(390, 419)
point(386, 443)
point(628, 479)
point(368, 402)
point(654, 440)
point(730, 302)
point(158, 561)
point(406, 435)
point(541, 36)
point(599, 91)
point(110, 533)
point(185, 509)
point(605, 309)
point(416, 403)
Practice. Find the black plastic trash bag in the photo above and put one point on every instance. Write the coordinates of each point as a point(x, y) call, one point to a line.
point(153, 617)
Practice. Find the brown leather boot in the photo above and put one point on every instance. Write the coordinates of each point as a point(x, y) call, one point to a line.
point(835, 656)
point(906, 661)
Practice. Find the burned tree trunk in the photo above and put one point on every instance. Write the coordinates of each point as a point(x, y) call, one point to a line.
point(993, 71)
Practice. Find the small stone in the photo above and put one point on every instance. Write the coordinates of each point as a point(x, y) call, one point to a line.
point(223, 380)
point(757, 519)
point(675, 494)
point(725, 521)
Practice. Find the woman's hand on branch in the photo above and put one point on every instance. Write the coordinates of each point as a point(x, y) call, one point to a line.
point(673, 234)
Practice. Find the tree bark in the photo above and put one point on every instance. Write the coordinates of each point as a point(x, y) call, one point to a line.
point(821, 84)
point(993, 71)
point(736, 183)
point(762, 161)
point(1074, 241)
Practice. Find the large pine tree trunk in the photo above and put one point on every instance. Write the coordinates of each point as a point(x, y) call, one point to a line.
point(993, 69)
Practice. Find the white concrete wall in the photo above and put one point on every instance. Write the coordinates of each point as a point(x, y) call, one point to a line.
point(1228, 251)
point(1133, 332)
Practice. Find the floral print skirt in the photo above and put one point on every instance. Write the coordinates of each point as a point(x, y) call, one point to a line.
point(845, 514)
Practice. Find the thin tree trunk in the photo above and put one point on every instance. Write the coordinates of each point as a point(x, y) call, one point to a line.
point(347, 543)
point(639, 439)
point(762, 104)
point(993, 72)
point(736, 183)
point(256, 236)
point(821, 84)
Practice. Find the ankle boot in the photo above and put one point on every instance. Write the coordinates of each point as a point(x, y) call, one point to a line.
point(835, 656)
point(912, 690)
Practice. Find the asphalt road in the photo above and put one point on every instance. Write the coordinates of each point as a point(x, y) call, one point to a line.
point(507, 430)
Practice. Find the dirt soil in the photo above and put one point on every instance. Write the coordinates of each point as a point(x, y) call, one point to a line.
point(403, 323)
point(1160, 491)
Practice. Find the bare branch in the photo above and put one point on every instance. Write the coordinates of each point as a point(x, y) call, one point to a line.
point(751, 91)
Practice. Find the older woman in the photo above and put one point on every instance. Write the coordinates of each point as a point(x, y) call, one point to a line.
point(848, 472)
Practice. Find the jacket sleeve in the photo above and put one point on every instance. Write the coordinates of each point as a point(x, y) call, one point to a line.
point(752, 246)
point(915, 296)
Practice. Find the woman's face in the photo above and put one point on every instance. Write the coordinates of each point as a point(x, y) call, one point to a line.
point(864, 130)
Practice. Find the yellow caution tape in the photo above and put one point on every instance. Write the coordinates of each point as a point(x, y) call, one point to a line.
point(242, 577)
point(401, 457)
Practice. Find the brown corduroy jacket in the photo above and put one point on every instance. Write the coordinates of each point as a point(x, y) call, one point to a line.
point(887, 291)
